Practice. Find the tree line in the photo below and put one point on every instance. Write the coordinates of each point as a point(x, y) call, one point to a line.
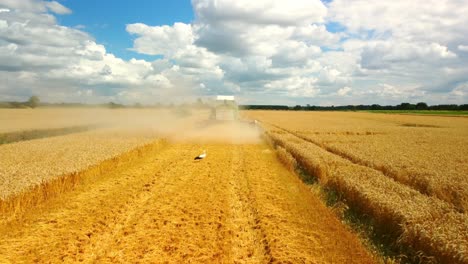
point(402, 106)
point(34, 102)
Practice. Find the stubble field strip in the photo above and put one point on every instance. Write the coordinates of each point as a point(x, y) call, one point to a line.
point(237, 206)
point(417, 222)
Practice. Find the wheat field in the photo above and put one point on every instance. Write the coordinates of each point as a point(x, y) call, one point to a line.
point(407, 172)
point(134, 193)
point(129, 191)
point(28, 163)
point(13, 120)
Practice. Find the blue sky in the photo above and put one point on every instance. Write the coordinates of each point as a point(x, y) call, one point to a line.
point(106, 20)
point(333, 52)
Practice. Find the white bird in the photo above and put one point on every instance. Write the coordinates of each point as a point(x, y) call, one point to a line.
point(201, 156)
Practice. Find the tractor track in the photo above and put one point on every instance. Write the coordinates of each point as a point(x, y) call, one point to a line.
point(248, 242)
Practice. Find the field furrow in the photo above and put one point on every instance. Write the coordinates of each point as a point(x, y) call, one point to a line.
point(247, 241)
point(297, 226)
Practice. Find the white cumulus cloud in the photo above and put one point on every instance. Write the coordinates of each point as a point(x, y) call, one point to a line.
point(161, 40)
point(265, 51)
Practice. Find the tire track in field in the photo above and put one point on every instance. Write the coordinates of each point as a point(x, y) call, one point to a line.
point(297, 226)
point(175, 211)
point(206, 216)
point(65, 228)
point(184, 221)
point(248, 243)
point(239, 205)
point(105, 242)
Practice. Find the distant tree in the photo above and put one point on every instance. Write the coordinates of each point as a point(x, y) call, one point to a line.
point(421, 106)
point(33, 101)
point(376, 107)
point(463, 107)
point(297, 107)
point(402, 106)
point(406, 106)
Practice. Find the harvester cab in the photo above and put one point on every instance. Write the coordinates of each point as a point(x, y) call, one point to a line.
point(225, 108)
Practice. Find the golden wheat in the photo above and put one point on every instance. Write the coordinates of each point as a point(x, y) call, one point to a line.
point(30, 163)
point(286, 158)
point(240, 205)
point(431, 156)
point(17, 120)
point(420, 220)
point(44, 118)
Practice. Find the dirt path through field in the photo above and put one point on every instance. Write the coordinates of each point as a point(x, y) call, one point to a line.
point(240, 205)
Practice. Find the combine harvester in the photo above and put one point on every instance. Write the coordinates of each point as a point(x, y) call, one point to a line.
point(225, 108)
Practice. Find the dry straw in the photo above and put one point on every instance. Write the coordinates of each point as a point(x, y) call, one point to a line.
point(423, 223)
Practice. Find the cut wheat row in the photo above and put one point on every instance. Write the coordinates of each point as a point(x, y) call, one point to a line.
point(421, 222)
point(453, 189)
point(428, 154)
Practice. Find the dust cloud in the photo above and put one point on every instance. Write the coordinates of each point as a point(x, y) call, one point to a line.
point(232, 132)
point(176, 123)
point(189, 125)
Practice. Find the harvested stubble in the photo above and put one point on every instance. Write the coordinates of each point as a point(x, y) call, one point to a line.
point(47, 166)
point(422, 223)
point(240, 205)
point(427, 153)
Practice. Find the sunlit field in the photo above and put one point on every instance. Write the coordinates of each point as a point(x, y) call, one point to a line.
point(408, 173)
point(234, 131)
point(129, 189)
